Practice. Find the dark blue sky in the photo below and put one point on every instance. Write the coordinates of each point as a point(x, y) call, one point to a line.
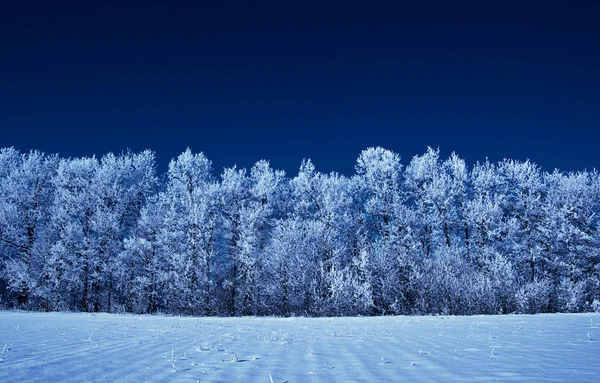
point(284, 81)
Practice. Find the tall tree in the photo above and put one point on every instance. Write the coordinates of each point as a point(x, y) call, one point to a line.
point(190, 230)
point(26, 193)
point(72, 218)
point(386, 221)
point(237, 264)
point(121, 186)
point(265, 204)
point(522, 191)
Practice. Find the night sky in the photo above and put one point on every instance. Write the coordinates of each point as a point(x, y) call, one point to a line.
point(285, 81)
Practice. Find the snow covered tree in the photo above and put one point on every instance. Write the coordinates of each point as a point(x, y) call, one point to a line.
point(263, 206)
point(234, 193)
point(287, 272)
point(569, 236)
point(522, 204)
point(483, 213)
point(437, 190)
point(72, 219)
point(121, 186)
point(141, 266)
point(189, 234)
point(322, 206)
point(386, 223)
point(26, 193)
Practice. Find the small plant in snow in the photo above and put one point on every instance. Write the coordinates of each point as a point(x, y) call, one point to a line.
point(172, 361)
point(3, 353)
point(91, 338)
point(234, 358)
point(205, 346)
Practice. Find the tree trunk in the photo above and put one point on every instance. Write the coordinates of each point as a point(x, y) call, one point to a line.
point(84, 295)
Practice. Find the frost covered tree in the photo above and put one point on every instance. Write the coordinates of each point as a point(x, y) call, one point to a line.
point(437, 190)
point(237, 263)
point(141, 266)
point(522, 191)
point(386, 249)
point(189, 234)
point(569, 237)
point(286, 269)
point(121, 186)
point(321, 204)
point(72, 220)
point(264, 204)
point(96, 205)
point(483, 213)
point(26, 193)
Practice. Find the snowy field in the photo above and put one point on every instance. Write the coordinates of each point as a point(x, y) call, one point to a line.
point(64, 347)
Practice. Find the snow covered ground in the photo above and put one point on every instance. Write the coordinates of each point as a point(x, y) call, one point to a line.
point(65, 347)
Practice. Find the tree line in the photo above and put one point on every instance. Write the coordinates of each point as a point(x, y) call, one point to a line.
point(428, 237)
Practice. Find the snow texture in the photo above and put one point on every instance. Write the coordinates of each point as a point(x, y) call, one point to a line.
point(60, 347)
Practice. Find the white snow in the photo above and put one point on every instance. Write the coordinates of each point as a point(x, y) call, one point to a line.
point(60, 347)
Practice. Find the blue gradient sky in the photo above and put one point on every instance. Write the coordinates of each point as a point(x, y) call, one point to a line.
point(283, 81)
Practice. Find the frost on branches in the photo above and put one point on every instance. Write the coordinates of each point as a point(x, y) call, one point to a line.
point(427, 236)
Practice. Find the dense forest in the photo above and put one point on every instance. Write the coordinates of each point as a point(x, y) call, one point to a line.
point(430, 236)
